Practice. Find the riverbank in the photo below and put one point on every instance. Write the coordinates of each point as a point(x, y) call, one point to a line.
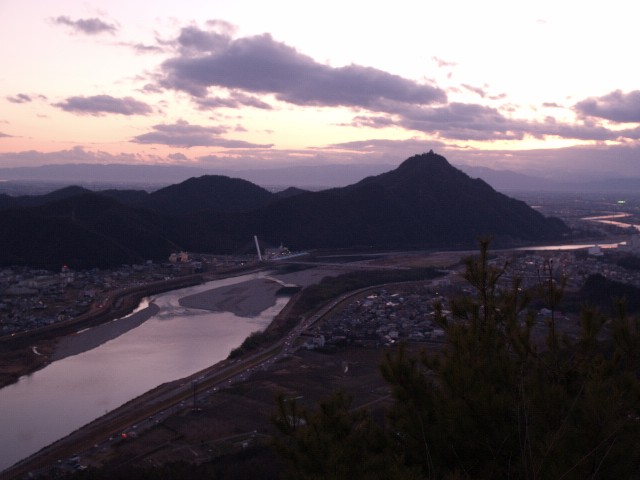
point(265, 291)
point(245, 299)
point(89, 339)
point(27, 352)
point(24, 353)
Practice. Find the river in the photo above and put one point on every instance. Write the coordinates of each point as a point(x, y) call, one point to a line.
point(608, 220)
point(605, 219)
point(174, 342)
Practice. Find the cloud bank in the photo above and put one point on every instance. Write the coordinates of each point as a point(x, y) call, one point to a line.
point(251, 68)
point(103, 104)
point(185, 135)
point(20, 98)
point(616, 106)
point(261, 65)
point(87, 26)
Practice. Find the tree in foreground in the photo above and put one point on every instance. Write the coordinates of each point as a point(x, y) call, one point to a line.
point(335, 442)
point(493, 403)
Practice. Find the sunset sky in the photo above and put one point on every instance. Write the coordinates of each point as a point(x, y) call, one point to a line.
point(544, 87)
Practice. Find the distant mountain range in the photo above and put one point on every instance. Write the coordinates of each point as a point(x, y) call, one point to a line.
point(423, 203)
point(152, 177)
point(507, 181)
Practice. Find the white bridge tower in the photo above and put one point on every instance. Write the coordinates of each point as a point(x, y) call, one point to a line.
point(255, 238)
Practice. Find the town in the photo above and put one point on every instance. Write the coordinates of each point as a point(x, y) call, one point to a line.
point(33, 298)
point(406, 313)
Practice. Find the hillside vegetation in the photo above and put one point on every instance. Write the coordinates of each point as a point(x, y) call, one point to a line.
point(424, 203)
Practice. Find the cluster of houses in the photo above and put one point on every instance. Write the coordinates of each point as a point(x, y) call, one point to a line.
point(32, 298)
point(385, 317)
point(382, 318)
point(575, 266)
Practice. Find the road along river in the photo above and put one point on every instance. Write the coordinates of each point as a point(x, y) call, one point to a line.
point(170, 336)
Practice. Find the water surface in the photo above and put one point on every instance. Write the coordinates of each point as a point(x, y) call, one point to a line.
point(69, 393)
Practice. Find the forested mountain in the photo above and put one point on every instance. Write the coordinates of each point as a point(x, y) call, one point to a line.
point(425, 202)
point(7, 201)
point(83, 231)
point(209, 192)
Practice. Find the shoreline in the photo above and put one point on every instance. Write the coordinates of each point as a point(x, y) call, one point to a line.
point(156, 399)
point(86, 340)
point(17, 357)
point(244, 299)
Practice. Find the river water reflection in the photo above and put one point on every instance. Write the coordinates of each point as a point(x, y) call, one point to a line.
point(172, 344)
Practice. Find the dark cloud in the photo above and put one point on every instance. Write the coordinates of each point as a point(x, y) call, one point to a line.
point(467, 121)
point(465, 114)
point(372, 121)
point(185, 135)
point(632, 133)
point(194, 40)
point(551, 105)
point(458, 121)
point(616, 106)
point(261, 65)
point(576, 131)
point(89, 26)
point(103, 104)
point(4, 135)
point(20, 98)
point(234, 100)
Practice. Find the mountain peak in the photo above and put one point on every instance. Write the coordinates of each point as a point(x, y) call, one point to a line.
point(426, 170)
point(208, 192)
point(425, 161)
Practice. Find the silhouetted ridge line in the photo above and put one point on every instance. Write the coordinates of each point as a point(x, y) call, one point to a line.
point(424, 203)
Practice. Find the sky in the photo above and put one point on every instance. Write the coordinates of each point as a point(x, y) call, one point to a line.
point(548, 88)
